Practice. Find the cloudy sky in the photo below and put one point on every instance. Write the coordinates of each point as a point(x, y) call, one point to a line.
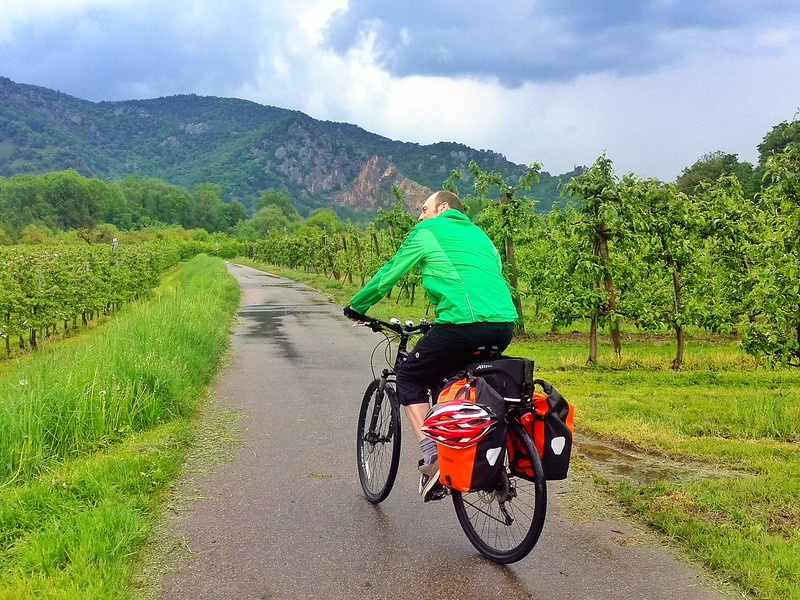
point(653, 83)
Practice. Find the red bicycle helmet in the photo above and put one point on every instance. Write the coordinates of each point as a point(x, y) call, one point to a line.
point(458, 424)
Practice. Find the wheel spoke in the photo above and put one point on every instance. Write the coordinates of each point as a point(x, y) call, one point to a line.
point(504, 524)
point(378, 445)
point(488, 514)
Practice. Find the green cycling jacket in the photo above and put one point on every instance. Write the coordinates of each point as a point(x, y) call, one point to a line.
point(461, 272)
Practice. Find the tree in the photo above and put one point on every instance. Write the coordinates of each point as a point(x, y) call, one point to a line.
point(77, 204)
point(732, 227)
point(397, 220)
point(778, 138)
point(105, 233)
point(596, 225)
point(152, 200)
point(207, 206)
point(662, 247)
point(325, 219)
point(22, 203)
point(233, 212)
point(268, 218)
point(244, 231)
point(558, 251)
point(173, 205)
point(710, 167)
point(773, 327)
point(279, 199)
point(116, 209)
point(510, 214)
point(35, 235)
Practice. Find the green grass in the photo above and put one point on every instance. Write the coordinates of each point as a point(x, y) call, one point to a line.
point(745, 527)
point(735, 415)
point(72, 532)
point(93, 432)
point(723, 409)
point(140, 370)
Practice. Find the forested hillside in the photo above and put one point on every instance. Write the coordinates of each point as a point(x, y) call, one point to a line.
point(243, 147)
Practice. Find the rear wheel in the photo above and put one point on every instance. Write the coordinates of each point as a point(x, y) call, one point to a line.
point(505, 524)
point(378, 442)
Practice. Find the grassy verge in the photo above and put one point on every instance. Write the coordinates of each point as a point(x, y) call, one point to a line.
point(93, 432)
point(731, 414)
point(740, 423)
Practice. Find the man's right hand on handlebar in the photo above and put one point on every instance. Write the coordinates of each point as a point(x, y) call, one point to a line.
point(354, 316)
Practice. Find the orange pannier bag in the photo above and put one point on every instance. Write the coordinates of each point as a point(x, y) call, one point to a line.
point(479, 466)
point(551, 426)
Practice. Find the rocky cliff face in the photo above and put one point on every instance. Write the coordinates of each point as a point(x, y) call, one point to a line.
point(316, 164)
point(372, 187)
point(313, 162)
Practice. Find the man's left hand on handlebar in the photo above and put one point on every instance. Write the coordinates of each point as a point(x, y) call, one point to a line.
point(354, 316)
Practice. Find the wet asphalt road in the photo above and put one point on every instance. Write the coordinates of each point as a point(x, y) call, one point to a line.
point(287, 518)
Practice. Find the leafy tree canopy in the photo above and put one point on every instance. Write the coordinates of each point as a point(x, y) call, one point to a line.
point(777, 139)
point(325, 219)
point(710, 167)
point(34, 235)
point(268, 218)
point(279, 199)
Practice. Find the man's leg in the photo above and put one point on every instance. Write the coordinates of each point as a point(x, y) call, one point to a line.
point(429, 486)
point(427, 365)
point(415, 413)
point(439, 354)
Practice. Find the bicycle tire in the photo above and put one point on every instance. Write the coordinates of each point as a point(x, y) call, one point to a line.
point(484, 516)
point(378, 451)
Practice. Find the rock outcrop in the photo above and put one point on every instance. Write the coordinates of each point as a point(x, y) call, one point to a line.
point(372, 187)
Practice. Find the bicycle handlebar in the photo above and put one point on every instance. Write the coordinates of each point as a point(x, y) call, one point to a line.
point(394, 324)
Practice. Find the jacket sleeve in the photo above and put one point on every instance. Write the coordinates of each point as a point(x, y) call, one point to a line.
point(409, 254)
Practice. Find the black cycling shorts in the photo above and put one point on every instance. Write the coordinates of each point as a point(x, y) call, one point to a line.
point(441, 352)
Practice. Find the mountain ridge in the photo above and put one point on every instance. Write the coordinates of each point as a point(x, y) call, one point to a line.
point(243, 146)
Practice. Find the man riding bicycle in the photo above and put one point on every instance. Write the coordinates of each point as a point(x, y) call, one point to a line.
point(462, 276)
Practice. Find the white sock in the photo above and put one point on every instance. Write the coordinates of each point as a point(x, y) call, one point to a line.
point(428, 448)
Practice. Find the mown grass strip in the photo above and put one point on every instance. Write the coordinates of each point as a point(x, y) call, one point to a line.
point(736, 415)
point(96, 431)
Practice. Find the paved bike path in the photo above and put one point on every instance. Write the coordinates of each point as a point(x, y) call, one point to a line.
point(287, 518)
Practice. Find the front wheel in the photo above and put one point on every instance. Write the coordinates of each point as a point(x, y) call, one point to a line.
point(505, 524)
point(378, 441)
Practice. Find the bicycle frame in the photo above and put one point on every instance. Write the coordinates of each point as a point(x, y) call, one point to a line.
point(379, 431)
point(404, 332)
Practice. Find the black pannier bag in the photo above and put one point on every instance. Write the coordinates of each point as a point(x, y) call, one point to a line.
point(550, 423)
point(512, 377)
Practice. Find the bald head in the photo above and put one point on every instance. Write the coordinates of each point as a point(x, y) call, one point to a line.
point(438, 202)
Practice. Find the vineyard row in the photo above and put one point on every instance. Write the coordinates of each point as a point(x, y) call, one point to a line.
point(44, 288)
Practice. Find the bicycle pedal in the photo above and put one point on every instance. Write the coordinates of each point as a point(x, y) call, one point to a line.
point(437, 493)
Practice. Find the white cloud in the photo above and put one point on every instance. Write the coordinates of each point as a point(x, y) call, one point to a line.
point(652, 124)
